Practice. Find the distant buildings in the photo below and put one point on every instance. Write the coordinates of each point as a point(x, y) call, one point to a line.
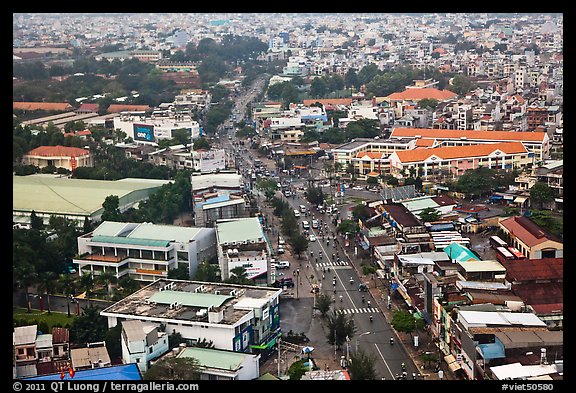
point(65, 157)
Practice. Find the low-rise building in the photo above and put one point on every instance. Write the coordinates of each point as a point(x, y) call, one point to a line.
point(94, 355)
point(143, 251)
point(532, 240)
point(239, 318)
point(142, 343)
point(66, 157)
point(220, 365)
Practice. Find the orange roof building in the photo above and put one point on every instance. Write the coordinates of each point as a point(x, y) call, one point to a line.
point(66, 157)
point(537, 143)
point(532, 240)
point(420, 94)
point(116, 108)
point(41, 106)
point(455, 160)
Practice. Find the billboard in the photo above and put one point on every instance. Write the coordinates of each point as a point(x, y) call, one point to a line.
point(253, 268)
point(143, 132)
point(212, 160)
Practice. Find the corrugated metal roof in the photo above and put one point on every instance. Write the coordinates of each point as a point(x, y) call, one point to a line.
point(239, 230)
point(214, 358)
point(25, 334)
point(203, 300)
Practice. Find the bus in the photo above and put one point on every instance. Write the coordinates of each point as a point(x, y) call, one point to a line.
point(517, 254)
point(496, 242)
point(504, 255)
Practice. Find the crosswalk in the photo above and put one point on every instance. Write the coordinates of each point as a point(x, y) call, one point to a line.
point(363, 310)
point(331, 264)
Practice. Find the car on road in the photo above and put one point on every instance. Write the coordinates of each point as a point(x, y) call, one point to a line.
point(284, 282)
point(282, 265)
point(305, 225)
point(312, 238)
point(314, 224)
point(296, 213)
point(281, 241)
point(280, 249)
point(357, 188)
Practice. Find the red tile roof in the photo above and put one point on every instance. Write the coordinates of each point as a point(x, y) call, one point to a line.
point(420, 94)
point(58, 151)
point(370, 154)
point(60, 335)
point(527, 231)
point(89, 107)
point(41, 106)
point(535, 269)
point(455, 152)
point(527, 136)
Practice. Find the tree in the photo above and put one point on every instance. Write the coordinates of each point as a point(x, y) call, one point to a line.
point(297, 370)
point(35, 221)
point(175, 339)
point(46, 284)
point(360, 212)
point(111, 208)
point(323, 303)
point(238, 275)
point(403, 321)
point(207, 271)
point(429, 214)
point(428, 103)
point(179, 273)
point(299, 244)
point(361, 366)
point(113, 341)
point(339, 326)
point(541, 194)
point(128, 285)
point(25, 276)
point(315, 195)
point(107, 278)
point(347, 226)
point(372, 180)
point(89, 327)
point(87, 284)
point(174, 369)
point(68, 287)
point(201, 143)
point(461, 84)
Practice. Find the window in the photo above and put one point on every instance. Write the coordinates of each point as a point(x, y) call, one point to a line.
point(150, 350)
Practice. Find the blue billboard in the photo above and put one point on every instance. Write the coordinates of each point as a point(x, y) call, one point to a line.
point(144, 132)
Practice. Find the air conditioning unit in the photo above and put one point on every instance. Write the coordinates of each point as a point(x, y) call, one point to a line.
point(246, 242)
point(216, 292)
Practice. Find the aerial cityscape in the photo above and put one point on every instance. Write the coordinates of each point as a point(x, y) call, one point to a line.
point(288, 196)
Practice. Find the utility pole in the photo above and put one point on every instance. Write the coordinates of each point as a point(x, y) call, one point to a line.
point(279, 339)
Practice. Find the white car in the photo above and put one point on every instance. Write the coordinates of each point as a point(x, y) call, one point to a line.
point(312, 238)
point(357, 188)
point(280, 249)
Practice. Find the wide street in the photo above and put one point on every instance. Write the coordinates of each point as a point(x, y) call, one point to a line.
point(327, 257)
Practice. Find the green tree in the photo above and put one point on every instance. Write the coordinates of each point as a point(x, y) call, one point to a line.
point(107, 279)
point(113, 341)
point(174, 369)
point(35, 221)
point(361, 366)
point(207, 271)
point(318, 88)
point(89, 326)
point(201, 143)
point(429, 214)
point(360, 212)
point(372, 180)
point(87, 284)
point(25, 276)
point(347, 226)
point(403, 321)
point(461, 84)
point(182, 136)
point(128, 285)
point(323, 303)
point(175, 339)
point(339, 327)
point(299, 244)
point(297, 370)
point(238, 275)
point(111, 208)
point(541, 194)
point(315, 195)
point(47, 284)
point(179, 273)
point(428, 103)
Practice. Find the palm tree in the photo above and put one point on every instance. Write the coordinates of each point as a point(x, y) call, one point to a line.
point(68, 287)
point(46, 284)
point(87, 283)
point(107, 278)
point(128, 285)
point(25, 276)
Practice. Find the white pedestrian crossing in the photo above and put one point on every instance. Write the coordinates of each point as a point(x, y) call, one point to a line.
point(363, 310)
point(331, 264)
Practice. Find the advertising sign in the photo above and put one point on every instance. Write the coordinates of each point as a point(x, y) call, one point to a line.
point(144, 132)
point(212, 160)
point(253, 267)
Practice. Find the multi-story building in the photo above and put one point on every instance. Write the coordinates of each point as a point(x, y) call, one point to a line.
point(233, 317)
point(537, 143)
point(453, 161)
point(143, 251)
point(149, 130)
point(142, 343)
point(242, 243)
point(66, 157)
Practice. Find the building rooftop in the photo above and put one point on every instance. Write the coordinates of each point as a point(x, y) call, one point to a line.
point(25, 335)
point(239, 230)
point(124, 372)
point(215, 358)
point(61, 195)
point(482, 266)
point(191, 300)
point(468, 134)
point(144, 233)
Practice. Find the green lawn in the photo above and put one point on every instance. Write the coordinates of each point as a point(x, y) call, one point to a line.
point(36, 316)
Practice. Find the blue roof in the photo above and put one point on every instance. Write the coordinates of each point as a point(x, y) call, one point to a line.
point(123, 372)
point(459, 253)
point(220, 198)
point(492, 351)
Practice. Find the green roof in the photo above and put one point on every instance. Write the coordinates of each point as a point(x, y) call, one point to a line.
point(240, 230)
point(213, 358)
point(130, 240)
point(203, 300)
point(459, 253)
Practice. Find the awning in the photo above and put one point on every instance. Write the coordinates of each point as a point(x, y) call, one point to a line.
point(452, 363)
point(520, 199)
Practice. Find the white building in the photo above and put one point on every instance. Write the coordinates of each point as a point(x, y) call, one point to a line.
point(214, 364)
point(142, 343)
point(237, 318)
point(144, 251)
point(149, 130)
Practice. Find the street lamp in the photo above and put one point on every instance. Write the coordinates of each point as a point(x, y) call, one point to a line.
point(358, 339)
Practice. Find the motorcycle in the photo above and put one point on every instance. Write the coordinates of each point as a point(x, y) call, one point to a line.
point(371, 318)
point(391, 340)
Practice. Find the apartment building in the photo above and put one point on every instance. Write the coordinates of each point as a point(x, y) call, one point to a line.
point(142, 343)
point(239, 318)
point(143, 251)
